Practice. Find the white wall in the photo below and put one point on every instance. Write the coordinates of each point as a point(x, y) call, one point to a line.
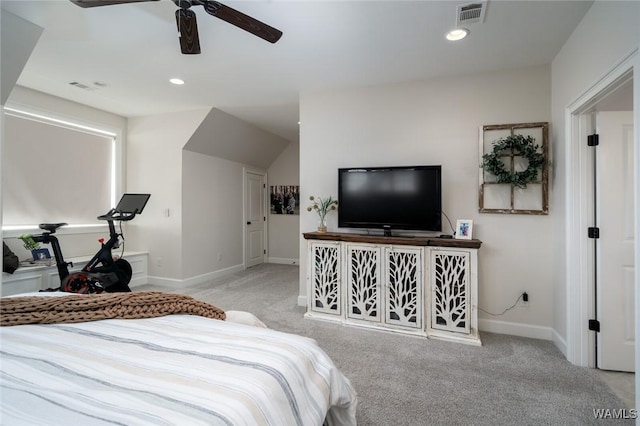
point(202, 234)
point(19, 38)
point(212, 220)
point(64, 108)
point(224, 136)
point(437, 122)
point(196, 200)
point(284, 230)
point(154, 166)
point(608, 33)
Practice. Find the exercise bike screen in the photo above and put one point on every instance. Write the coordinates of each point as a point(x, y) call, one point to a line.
point(132, 203)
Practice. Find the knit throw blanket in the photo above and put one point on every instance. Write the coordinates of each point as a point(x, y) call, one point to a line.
point(93, 307)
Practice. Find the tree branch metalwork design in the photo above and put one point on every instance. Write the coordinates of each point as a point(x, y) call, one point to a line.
point(364, 284)
point(326, 295)
point(402, 302)
point(450, 297)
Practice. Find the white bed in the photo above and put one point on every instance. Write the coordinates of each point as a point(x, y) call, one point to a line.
point(170, 370)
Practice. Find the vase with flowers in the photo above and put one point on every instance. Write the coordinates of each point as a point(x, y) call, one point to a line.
point(322, 206)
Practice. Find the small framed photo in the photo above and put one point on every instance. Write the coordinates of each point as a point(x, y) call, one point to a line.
point(41, 254)
point(464, 229)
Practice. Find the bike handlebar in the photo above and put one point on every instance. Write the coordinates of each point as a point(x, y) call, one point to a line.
point(114, 214)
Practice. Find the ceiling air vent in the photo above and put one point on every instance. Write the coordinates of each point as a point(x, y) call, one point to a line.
point(471, 13)
point(81, 86)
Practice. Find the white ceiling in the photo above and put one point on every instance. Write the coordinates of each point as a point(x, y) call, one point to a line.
point(134, 50)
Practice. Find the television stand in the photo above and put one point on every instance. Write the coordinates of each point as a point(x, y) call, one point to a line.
point(424, 286)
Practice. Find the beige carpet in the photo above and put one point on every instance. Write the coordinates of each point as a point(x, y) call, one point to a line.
point(403, 380)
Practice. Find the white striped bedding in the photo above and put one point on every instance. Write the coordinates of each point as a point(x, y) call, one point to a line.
point(172, 370)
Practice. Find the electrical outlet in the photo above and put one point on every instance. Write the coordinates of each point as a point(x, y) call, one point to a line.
point(219, 257)
point(525, 299)
point(159, 262)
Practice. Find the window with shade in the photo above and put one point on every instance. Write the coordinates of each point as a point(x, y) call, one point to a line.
point(55, 171)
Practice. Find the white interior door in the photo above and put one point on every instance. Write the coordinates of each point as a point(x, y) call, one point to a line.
point(254, 218)
point(615, 207)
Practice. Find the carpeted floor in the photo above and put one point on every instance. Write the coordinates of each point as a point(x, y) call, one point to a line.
point(404, 380)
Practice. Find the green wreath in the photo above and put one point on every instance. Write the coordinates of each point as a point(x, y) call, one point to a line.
point(520, 146)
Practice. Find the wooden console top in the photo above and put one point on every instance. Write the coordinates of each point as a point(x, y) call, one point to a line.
point(400, 240)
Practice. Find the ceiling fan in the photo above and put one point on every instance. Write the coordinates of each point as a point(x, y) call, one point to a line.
point(188, 27)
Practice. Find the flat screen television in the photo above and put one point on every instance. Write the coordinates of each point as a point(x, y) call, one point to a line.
point(408, 198)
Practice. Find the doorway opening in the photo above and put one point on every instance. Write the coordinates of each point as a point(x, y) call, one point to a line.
point(585, 280)
point(581, 207)
point(255, 218)
point(613, 263)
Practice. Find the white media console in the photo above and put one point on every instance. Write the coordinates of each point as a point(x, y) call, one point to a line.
point(423, 286)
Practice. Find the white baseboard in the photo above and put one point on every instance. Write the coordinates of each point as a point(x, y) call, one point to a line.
point(163, 282)
point(198, 279)
point(302, 301)
point(136, 282)
point(283, 261)
point(516, 329)
point(560, 342)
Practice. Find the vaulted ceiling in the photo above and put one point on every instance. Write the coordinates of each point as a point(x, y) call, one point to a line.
point(122, 56)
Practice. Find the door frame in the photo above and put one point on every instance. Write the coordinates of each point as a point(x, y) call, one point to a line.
point(579, 176)
point(265, 229)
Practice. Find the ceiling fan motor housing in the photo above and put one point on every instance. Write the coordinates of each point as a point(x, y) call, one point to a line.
point(188, 27)
point(183, 4)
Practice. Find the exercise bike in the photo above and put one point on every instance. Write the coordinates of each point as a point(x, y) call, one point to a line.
point(102, 273)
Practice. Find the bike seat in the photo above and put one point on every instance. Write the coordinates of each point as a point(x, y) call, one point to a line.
point(51, 227)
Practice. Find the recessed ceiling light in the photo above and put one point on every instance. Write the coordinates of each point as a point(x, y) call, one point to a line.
point(457, 34)
point(177, 81)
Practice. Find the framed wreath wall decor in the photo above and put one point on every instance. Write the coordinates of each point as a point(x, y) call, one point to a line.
point(519, 145)
point(514, 168)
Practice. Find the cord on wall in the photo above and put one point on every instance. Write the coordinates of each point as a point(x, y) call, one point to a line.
point(453, 231)
point(508, 309)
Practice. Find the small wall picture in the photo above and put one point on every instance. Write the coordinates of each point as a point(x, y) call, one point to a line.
point(285, 199)
point(464, 229)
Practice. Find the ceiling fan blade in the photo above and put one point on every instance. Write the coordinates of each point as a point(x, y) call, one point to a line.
point(241, 20)
point(94, 3)
point(188, 31)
